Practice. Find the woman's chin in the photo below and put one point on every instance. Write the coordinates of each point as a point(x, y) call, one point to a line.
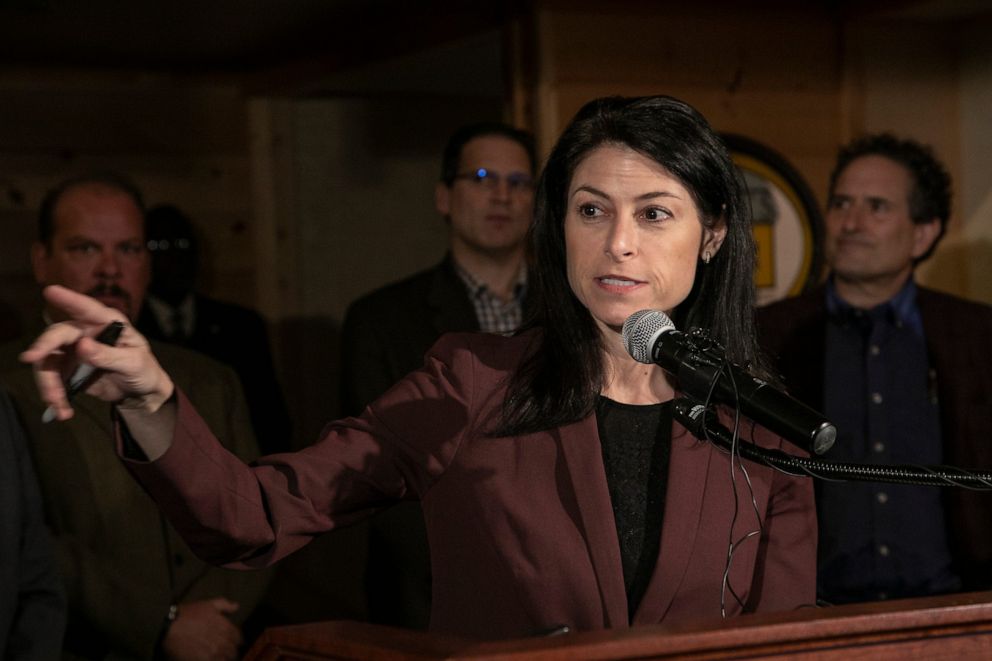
point(613, 323)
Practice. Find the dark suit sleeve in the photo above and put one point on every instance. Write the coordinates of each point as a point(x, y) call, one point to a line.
point(38, 625)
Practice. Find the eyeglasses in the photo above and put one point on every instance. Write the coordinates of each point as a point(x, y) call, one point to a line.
point(163, 245)
point(516, 182)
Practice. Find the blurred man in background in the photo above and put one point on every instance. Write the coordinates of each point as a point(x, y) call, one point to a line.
point(903, 371)
point(135, 589)
point(236, 336)
point(485, 195)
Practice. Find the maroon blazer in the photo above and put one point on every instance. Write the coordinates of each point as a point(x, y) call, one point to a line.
point(959, 347)
point(521, 529)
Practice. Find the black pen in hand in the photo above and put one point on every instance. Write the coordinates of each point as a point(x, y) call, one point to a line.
point(83, 373)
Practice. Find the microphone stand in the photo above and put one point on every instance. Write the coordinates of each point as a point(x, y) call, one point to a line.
point(703, 424)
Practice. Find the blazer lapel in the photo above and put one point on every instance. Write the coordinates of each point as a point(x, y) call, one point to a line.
point(583, 457)
point(683, 509)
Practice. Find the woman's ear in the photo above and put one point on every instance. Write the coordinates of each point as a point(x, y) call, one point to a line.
point(712, 240)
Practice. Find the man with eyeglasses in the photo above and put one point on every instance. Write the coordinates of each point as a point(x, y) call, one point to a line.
point(485, 196)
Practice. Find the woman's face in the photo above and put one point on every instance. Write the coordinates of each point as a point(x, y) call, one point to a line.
point(633, 236)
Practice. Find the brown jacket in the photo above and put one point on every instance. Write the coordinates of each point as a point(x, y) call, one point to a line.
point(116, 553)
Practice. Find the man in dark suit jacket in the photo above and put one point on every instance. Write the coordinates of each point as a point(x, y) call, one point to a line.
point(32, 601)
point(237, 336)
point(904, 371)
point(485, 196)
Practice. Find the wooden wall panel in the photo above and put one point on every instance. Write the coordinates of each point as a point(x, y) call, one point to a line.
point(800, 79)
point(181, 142)
point(773, 76)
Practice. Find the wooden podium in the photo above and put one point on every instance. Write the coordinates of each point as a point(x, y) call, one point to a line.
point(955, 627)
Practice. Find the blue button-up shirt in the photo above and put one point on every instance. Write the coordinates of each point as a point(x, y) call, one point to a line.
point(879, 540)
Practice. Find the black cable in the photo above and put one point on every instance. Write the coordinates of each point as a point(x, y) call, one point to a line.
point(735, 463)
point(703, 424)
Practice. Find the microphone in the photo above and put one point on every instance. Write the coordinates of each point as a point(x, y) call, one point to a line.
point(703, 371)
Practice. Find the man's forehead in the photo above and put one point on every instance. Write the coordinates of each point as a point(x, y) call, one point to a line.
point(877, 166)
point(97, 208)
point(875, 172)
point(95, 195)
point(482, 149)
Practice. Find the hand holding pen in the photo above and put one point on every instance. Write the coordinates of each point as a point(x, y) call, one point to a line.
point(124, 373)
point(84, 373)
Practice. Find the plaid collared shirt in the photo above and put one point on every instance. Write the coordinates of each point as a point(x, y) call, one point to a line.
point(494, 314)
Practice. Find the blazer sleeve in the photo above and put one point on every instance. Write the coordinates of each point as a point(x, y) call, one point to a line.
point(250, 516)
point(237, 436)
point(39, 622)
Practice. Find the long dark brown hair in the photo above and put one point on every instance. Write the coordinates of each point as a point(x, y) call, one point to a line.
point(559, 380)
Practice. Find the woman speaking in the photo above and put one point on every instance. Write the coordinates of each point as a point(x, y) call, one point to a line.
point(556, 487)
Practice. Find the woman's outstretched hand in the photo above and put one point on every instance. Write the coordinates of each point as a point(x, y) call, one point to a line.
point(126, 375)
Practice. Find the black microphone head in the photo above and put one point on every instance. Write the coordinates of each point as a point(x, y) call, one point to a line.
point(641, 331)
